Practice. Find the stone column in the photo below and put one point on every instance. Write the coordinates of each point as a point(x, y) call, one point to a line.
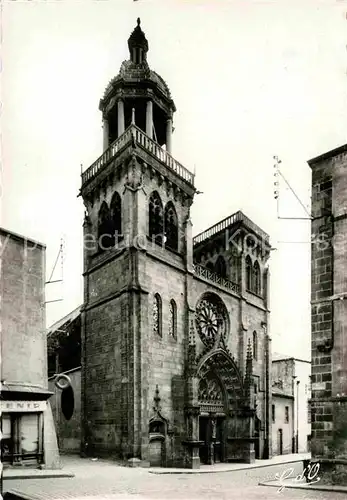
point(89, 246)
point(134, 352)
point(149, 119)
point(192, 410)
point(268, 373)
point(134, 205)
point(192, 443)
point(105, 134)
point(268, 397)
point(169, 135)
point(121, 123)
point(249, 452)
point(212, 431)
point(242, 257)
point(188, 229)
point(243, 325)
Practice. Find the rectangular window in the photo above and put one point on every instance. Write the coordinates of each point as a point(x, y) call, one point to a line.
point(29, 436)
point(21, 438)
point(6, 441)
point(273, 413)
point(287, 414)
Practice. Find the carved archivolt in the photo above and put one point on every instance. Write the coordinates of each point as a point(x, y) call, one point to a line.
point(220, 380)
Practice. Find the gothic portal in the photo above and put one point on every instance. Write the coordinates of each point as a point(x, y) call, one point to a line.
point(175, 349)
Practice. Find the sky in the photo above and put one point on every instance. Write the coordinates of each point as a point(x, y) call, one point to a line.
point(250, 80)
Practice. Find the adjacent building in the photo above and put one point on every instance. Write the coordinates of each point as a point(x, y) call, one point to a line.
point(175, 348)
point(329, 312)
point(64, 357)
point(290, 412)
point(27, 427)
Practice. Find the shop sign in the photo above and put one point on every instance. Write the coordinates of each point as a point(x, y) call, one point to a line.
point(23, 406)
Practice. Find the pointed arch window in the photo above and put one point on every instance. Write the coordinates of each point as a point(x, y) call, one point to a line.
point(256, 278)
point(157, 315)
point(104, 227)
point(116, 215)
point(171, 227)
point(220, 267)
point(234, 268)
point(173, 319)
point(255, 345)
point(156, 222)
point(248, 273)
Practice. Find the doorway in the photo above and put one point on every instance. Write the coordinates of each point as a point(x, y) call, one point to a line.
point(212, 436)
point(156, 453)
point(280, 441)
point(257, 437)
point(21, 441)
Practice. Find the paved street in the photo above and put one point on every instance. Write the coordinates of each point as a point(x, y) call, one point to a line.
point(105, 480)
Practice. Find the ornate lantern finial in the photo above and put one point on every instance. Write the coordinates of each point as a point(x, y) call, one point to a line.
point(138, 44)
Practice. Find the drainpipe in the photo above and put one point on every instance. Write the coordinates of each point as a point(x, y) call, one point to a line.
point(297, 416)
point(56, 391)
point(293, 415)
point(268, 367)
point(267, 447)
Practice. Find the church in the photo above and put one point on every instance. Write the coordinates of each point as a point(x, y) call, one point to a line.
point(175, 349)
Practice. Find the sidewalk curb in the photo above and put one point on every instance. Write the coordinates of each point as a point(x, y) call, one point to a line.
point(216, 471)
point(48, 475)
point(18, 495)
point(278, 484)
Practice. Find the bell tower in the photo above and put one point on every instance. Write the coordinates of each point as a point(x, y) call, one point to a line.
point(139, 96)
point(137, 256)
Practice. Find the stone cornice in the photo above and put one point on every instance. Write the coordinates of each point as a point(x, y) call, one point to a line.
point(326, 156)
point(112, 296)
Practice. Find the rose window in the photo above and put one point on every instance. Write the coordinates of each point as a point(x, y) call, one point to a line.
point(211, 319)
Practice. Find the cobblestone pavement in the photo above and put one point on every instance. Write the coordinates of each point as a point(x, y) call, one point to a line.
point(105, 480)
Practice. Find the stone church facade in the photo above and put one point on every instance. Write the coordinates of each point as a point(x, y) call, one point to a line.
point(176, 351)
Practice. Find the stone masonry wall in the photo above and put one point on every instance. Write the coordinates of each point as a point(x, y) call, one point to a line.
point(282, 376)
point(164, 356)
point(23, 310)
point(281, 424)
point(329, 318)
point(106, 326)
point(321, 290)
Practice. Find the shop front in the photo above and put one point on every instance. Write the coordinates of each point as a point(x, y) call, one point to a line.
point(22, 432)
